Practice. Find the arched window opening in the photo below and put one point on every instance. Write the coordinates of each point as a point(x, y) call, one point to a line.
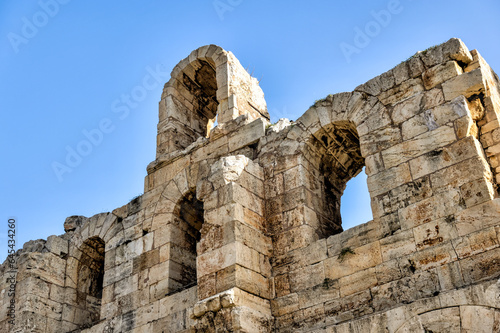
point(355, 207)
point(189, 108)
point(340, 160)
point(90, 281)
point(189, 218)
point(197, 86)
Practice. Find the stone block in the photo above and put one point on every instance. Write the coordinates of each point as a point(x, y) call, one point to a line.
point(45, 266)
point(401, 92)
point(372, 87)
point(235, 193)
point(427, 210)
point(465, 126)
point(409, 193)
point(252, 238)
point(212, 261)
point(419, 145)
point(433, 233)
point(478, 191)
point(247, 135)
point(126, 286)
point(147, 314)
point(415, 66)
point(477, 217)
point(35, 286)
point(443, 157)
point(452, 176)
point(481, 266)
point(440, 73)
point(419, 124)
point(450, 276)
point(388, 179)
point(306, 277)
point(319, 294)
point(467, 84)
point(477, 242)
point(388, 271)
point(377, 119)
point(310, 118)
point(378, 140)
point(432, 98)
point(357, 107)
point(252, 282)
point(74, 222)
point(250, 320)
point(453, 49)
point(433, 257)
point(401, 73)
point(397, 245)
point(294, 239)
point(455, 109)
point(374, 164)
point(346, 263)
point(357, 282)
point(286, 304)
point(472, 315)
point(356, 236)
point(303, 257)
point(407, 108)
point(281, 285)
point(349, 307)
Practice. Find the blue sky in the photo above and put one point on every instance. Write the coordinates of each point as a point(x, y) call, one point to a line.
point(66, 64)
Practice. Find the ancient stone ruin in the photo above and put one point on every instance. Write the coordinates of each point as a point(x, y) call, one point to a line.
point(239, 226)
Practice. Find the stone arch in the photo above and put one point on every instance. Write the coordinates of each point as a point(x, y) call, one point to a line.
point(331, 131)
point(397, 156)
point(104, 226)
point(177, 223)
point(210, 83)
point(454, 319)
point(340, 161)
point(189, 216)
point(86, 276)
point(89, 288)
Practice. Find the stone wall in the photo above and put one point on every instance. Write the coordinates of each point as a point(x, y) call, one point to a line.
point(239, 227)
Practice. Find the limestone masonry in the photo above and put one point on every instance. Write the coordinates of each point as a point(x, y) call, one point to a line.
point(239, 226)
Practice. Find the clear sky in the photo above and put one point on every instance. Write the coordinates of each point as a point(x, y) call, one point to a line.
point(65, 65)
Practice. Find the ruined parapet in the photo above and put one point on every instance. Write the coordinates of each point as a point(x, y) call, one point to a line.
point(429, 259)
point(239, 227)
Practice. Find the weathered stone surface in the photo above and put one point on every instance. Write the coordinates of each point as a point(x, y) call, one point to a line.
point(467, 84)
point(419, 145)
point(240, 229)
point(57, 245)
point(73, 222)
point(440, 73)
